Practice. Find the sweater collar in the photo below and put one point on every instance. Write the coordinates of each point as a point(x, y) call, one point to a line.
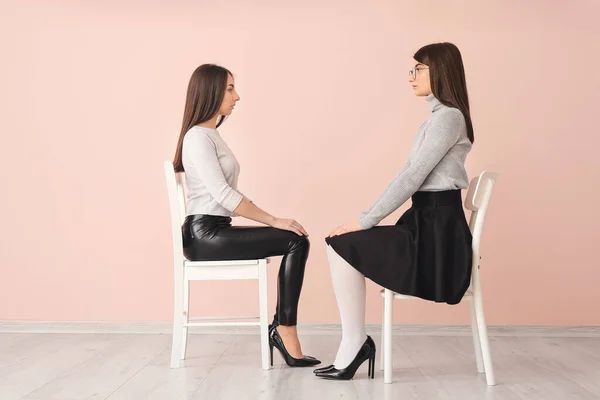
point(434, 103)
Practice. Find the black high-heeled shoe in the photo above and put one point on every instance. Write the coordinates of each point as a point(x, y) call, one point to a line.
point(276, 341)
point(366, 352)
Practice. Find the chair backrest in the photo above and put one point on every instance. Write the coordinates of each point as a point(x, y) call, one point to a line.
point(176, 193)
point(477, 201)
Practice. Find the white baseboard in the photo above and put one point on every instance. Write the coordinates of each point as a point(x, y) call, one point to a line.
point(303, 329)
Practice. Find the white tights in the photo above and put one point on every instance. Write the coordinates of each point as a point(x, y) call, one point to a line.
point(349, 287)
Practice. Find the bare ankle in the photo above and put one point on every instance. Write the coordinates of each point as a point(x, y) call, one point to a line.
point(287, 330)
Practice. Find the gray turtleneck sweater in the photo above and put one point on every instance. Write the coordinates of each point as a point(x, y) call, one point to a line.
point(436, 162)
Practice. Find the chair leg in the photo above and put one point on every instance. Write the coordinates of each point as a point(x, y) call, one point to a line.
point(476, 341)
point(264, 315)
point(483, 338)
point(177, 324)
point(382, 345)
point(387, 336)
point(186, 317)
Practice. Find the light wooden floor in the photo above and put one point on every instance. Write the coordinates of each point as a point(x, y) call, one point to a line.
point(120, 366)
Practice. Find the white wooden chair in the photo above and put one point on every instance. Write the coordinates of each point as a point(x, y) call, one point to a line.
point(186, 271)
point(477, 201)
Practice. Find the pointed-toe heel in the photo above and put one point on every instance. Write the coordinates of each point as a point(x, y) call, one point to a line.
point(366, 352)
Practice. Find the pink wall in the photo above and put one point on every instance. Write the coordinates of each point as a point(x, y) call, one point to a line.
point(92, 98)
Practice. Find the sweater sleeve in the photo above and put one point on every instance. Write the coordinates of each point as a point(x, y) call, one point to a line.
point(203, 158)
point(366, 212)
point(439, 136)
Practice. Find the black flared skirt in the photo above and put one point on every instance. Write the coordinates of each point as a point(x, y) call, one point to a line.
point(427, 254)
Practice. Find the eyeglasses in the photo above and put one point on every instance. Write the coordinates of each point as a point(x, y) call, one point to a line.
point(413, 72)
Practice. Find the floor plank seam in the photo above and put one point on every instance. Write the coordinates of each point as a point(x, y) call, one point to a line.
point(211, 369)
point(134, 375)
point(68, 370)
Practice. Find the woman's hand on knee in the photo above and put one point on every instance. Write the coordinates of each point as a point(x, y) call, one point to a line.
point(352, 226)
point(289, 225)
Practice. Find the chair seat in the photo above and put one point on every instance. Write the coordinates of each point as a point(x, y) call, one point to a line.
point(192, 264)
point(398, 296)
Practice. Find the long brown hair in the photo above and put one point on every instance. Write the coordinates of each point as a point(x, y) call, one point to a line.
point(204, 97)
point(447, 77)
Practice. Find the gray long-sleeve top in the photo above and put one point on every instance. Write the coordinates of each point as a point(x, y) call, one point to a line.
point(436, 162)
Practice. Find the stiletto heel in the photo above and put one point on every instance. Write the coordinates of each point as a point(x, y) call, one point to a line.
point(366, 352)
point(276, 341)
point(372, 366)
point(373, 370)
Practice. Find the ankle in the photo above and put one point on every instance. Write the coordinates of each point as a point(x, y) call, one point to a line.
point(287, 331)
point(354, 339)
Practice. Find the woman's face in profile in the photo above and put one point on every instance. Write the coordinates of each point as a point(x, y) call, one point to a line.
point(418, 77)
point(230, 98)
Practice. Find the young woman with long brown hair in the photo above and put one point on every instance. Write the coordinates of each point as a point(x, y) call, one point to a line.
point(427, 253)
point(211, 172)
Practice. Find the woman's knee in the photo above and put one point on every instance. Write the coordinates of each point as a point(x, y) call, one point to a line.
point(300, 243)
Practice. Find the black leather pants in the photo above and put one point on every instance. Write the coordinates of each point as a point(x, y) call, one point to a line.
point(212, 238)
